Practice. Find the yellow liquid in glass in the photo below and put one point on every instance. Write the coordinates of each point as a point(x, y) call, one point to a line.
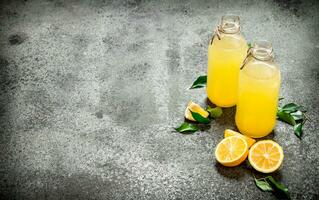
point(258, 92)
point(225, 57)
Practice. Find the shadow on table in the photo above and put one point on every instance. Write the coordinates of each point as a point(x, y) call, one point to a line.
point(230, 172)
point(243, 169)
point(227, 119)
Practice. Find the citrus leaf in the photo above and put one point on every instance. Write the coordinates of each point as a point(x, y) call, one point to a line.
point(186, 128)
point(263, 185)
point(293, 114)
point(249, 45)
point(298, 115)
point(214, 112)
point(290, 107)
point(199, 82)
point(286, 117)
point(278, 188)
point(199, 118)
point(298, 130)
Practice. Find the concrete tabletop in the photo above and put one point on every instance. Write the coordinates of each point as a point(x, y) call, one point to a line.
point(91, 91)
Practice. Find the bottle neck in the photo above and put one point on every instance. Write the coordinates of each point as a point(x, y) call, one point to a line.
point(262, 50)
point(230, 24)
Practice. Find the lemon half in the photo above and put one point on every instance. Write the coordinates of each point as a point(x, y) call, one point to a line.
point(231, 151)
point(266, 156)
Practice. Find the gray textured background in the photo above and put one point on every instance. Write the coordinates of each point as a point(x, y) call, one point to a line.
point(90, 91)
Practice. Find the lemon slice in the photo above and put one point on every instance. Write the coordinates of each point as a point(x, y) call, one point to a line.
point(266, 156)
point(231, 151)
point(228, 133)
point(194, 108)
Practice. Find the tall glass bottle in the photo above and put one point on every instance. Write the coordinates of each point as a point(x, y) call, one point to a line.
point(226, 52)
point(259, 83)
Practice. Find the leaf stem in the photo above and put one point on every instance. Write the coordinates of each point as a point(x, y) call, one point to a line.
point(307, 118)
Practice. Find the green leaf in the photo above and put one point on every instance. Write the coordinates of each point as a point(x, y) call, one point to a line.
point(293, 114)
point(290, 107)
point(278, 187)
point(298, 130)
point(249, 45)
point(286, 117)
point(214, 112)
point(199, 118)
point(199, 82)
point(298, 115)
point(263, 185)
point(187, 128)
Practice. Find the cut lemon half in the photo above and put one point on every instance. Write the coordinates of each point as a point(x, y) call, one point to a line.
point(194, 108)
point(231, 151)
point(266, 156)
point(228, 133)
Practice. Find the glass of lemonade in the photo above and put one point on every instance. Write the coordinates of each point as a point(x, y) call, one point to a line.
point(258, 90)
point(225, 56)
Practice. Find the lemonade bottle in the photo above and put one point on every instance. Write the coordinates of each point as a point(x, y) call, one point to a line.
point(226, 52)
point(258, 91)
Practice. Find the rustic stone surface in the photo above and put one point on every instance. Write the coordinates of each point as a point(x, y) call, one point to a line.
point(90, 91)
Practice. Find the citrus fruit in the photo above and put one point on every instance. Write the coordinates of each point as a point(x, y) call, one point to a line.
point(231, 151)
point(194, 108)
point(228, 133)
point(266, 156)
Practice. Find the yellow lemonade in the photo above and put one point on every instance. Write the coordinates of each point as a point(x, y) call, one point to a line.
point(258, 90)
point(225, 56)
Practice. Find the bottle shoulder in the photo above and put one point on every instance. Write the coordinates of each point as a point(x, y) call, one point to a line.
point(261, 69)
point(229, 41)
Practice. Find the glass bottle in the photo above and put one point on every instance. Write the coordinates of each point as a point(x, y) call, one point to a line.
point(259, 83)
point(226, 52)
